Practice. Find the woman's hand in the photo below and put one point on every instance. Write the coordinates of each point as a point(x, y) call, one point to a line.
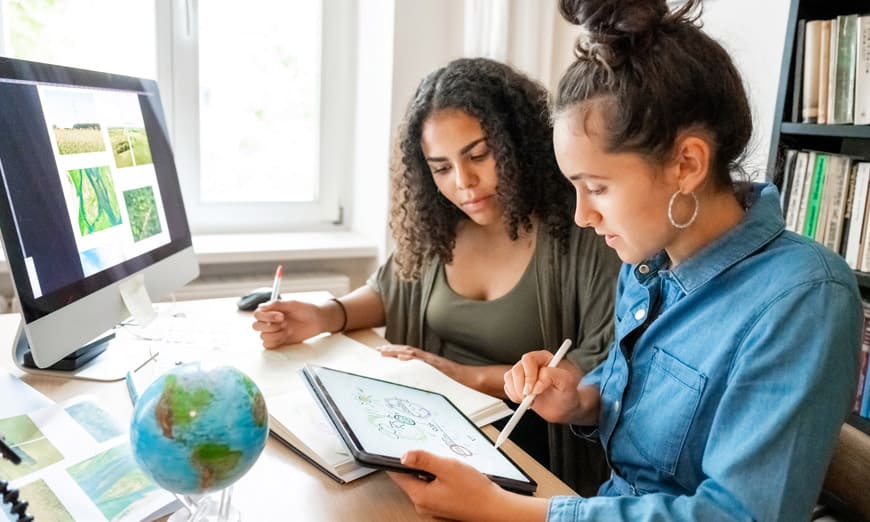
point(287, 322)
point(460, 492)
point(456, 371)
point(557, 398)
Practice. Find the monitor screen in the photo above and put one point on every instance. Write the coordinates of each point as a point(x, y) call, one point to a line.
point(89, 197)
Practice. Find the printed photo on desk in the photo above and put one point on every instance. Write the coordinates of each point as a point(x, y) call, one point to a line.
point(379, 421)
point(77, 465)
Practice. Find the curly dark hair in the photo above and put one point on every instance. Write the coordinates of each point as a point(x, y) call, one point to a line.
point(655, 74)
point(513, 112)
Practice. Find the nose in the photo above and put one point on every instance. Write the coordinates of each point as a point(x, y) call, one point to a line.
point(585, 214)
point(465, 176)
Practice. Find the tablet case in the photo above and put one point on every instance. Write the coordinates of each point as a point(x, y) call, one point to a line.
point(348, 435)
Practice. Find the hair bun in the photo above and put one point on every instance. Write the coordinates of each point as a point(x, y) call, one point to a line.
point(611, 29)
point(615, 17)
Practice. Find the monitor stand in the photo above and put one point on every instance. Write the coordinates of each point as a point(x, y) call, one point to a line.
point(95, 361)
point(105, 359)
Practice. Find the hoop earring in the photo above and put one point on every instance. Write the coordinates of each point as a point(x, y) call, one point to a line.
point(691, 220)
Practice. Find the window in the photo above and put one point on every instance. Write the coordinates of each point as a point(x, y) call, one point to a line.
point(258, 95)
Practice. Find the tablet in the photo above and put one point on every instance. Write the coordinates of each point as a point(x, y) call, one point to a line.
point(379, 421)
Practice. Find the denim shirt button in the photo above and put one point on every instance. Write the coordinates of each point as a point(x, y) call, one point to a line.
point(643, 269)
point(639, 314)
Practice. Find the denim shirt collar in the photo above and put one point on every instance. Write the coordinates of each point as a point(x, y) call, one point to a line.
point(761, 224)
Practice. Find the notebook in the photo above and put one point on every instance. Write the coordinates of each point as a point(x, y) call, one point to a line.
point(379, 421)
point(296, 420)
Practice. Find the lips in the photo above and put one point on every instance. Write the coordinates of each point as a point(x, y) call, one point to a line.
point(475, 203)
point(610, 239)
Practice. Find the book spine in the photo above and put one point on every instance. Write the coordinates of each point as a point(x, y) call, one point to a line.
point(838, 203)
point(787, 177)
point(805, 194)
point(856, 230)
point(847, 209)
point(797, 79)
point(797, 190)
point(844, 102)
point(862, 375)
point(865, 401)
point(810, 97)
point(824, 59)
point(862, 72)
point(833, 59)
point(815, 196)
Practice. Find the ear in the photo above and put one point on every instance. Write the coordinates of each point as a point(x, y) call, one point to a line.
point(691, 162)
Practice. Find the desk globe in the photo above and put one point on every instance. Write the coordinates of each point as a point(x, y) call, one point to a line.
point(196, 430)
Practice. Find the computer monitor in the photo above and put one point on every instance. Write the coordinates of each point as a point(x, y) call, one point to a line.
point(90, 206)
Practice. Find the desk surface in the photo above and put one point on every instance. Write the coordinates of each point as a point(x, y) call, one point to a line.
point(281, 485)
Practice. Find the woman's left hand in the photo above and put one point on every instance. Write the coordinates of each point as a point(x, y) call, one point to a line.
point(405, 353)
point(447, 495)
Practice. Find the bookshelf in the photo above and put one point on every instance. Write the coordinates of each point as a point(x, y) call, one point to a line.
point(787, 133)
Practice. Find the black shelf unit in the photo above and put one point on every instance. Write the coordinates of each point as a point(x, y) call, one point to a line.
point(852, 140)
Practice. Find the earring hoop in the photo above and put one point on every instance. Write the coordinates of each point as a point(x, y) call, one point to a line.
point(691, 220)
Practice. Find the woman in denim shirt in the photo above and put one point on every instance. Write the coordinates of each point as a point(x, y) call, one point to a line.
point(737, 340)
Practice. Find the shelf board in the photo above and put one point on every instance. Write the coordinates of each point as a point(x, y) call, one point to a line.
point(863, 279)
point(859, 422)
point(837, 131)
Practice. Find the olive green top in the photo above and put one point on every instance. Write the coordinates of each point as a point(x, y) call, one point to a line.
point(466, 325)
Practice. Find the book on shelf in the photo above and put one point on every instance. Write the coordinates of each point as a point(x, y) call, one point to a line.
point(839, 171)
point(862, 71)
point(831, 71)
point(76, 463)
point(795, 194)
point(814, 198)
point(863, 360)
point(787, 177)
point(810, 89)
point(847, 209)
point(797, 79)
point(856, 219)
point(824, 65)
point(844, 69)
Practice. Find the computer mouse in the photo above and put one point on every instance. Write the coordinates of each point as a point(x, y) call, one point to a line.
point(252, 299)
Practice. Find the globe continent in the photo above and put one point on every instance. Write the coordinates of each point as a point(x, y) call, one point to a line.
point(198, 428)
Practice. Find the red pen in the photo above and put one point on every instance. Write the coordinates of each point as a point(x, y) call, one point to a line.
point(276, 285)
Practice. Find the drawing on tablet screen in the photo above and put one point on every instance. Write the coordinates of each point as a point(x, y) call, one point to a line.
point(403, 419)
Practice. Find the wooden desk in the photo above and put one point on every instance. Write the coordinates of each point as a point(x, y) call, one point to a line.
point(281, 485)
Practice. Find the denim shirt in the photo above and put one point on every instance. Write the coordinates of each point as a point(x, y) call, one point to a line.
point(733, 374)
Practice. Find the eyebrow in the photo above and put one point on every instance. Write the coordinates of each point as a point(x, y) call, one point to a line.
point(463, 150)
point(584, 175)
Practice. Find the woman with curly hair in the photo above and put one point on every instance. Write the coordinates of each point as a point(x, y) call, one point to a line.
point(735, 352)
point(488, 263)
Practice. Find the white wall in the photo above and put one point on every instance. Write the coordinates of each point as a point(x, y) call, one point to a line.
point(753, 32)
point(399, 42)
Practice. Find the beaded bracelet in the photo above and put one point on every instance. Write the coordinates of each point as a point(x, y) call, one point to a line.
point(343, 313)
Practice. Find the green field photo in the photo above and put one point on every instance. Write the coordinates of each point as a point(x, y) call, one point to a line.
point(130, 146)
point(44, 504)
point(79, 139)
point(35, 450)
point(142, 212)
point(97, 202)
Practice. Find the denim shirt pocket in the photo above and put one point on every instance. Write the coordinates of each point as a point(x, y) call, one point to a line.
point(661, 419)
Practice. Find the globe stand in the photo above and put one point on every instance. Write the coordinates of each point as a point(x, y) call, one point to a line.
point(207, 508)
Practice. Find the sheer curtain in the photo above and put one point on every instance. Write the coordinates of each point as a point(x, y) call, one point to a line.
point(528, 34)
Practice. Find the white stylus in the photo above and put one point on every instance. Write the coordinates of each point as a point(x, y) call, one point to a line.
point(527, 401)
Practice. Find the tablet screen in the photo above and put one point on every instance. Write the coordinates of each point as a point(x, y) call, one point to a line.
point(389, 419)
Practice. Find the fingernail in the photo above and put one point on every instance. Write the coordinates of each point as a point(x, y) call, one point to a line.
point(526, 389)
